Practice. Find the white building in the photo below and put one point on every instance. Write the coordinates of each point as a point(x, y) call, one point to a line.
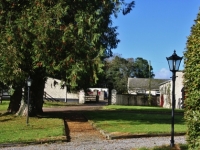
point(166, 91)
point(54, 89)
point(144, 86)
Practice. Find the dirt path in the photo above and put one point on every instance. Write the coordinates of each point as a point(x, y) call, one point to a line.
point(77, 127)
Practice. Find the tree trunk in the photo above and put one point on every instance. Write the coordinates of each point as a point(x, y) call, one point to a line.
point(23, 110)
point(36, 94)
point(15, 100)
point(37, 91)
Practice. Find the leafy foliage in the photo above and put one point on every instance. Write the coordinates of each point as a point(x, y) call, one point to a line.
point(119, 69)
point(142, 68)
point(192, 86)
point(69, 37)
point(117, 74)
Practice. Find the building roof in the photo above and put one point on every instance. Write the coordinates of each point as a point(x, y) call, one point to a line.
point(165, 82)
point(143, 83)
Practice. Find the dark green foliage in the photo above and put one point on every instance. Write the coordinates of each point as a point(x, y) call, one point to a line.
point(142, 69)
point(119, 69)
point(117, 72)
point(57, 38)
point(63, 38)
point(192, 86)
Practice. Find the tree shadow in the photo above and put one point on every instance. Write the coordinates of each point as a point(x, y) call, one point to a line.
point(5, 114)
point(52, 114)
point(148, 117)
point(136, 117)
point(59, 115)
point(67, 131)
point(66, 116)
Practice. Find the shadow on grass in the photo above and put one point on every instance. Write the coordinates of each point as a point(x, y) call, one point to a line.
point(149, 110)
point(5, 114)
point(122, 117)
point(59, 115)
point(5, 120)
point(52, 114)
point(137, 116)
point(148, 116)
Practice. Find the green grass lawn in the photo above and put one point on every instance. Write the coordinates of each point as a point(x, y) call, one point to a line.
point(141, 108)
point(14, 128)
point(112, 118)
point(137, 119)
point(4, 106)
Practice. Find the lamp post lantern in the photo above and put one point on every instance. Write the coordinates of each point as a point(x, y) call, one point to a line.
point(174, 63)
point(29, 82)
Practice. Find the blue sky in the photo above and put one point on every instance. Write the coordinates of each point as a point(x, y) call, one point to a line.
point(154, 29)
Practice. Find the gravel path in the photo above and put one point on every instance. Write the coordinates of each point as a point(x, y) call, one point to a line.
point(122, 144)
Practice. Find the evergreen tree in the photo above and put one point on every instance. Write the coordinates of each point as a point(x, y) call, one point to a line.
point(57, 38)
point(192, 86)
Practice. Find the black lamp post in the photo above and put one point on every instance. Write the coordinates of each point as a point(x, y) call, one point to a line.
point(174, 63)
point(29, 82)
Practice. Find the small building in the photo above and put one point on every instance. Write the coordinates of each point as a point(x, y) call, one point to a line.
point(54, 89)
point(144, 85)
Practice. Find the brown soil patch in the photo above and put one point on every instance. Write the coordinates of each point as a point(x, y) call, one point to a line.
point(77, 128)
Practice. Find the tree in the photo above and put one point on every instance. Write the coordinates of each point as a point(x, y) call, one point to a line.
point(65, 39)
point(119, 69)
point(116, 74)
point(142, 69)
point(192, 86)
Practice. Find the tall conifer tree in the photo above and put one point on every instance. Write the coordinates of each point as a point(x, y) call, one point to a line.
point(192, 86)
point(58, 38)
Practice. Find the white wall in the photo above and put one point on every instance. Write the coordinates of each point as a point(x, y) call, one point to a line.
point(56, 91)
point(134, 100)
point(178, 87)
point(178, 93)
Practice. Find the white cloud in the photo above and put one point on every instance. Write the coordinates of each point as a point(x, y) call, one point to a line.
point(163, 74)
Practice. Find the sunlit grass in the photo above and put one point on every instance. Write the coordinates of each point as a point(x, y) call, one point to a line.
point(14, 129)
point(148, 120)
point(4, 106)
